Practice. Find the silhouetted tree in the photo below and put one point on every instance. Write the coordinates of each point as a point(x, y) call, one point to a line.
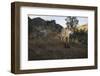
point(71, 22)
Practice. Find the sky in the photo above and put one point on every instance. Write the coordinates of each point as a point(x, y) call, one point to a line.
point(61, 19)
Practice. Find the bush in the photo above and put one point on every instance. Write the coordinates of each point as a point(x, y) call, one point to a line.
point(79, 36)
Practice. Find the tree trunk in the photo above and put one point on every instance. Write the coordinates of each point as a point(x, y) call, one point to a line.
point(67, 43)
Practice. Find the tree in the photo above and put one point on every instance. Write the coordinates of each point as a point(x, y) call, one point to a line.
point(71, 22)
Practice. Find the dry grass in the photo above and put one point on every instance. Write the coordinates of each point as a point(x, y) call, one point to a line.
point(50, 48)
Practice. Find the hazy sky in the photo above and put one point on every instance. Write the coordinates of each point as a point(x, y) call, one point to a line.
point(61, 19)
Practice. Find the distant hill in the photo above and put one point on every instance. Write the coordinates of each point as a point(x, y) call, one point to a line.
point(83, 27)
point(41, 27)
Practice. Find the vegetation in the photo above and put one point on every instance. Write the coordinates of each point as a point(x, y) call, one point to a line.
point(71, 22)
point(80, 37)
point(44, 44)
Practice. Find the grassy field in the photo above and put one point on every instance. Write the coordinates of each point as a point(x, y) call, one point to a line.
point(51, 48)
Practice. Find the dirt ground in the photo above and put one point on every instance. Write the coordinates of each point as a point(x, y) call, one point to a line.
point(54, 49)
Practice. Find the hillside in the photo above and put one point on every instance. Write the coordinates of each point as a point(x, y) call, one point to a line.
point(40, 27)
point(83, 27)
